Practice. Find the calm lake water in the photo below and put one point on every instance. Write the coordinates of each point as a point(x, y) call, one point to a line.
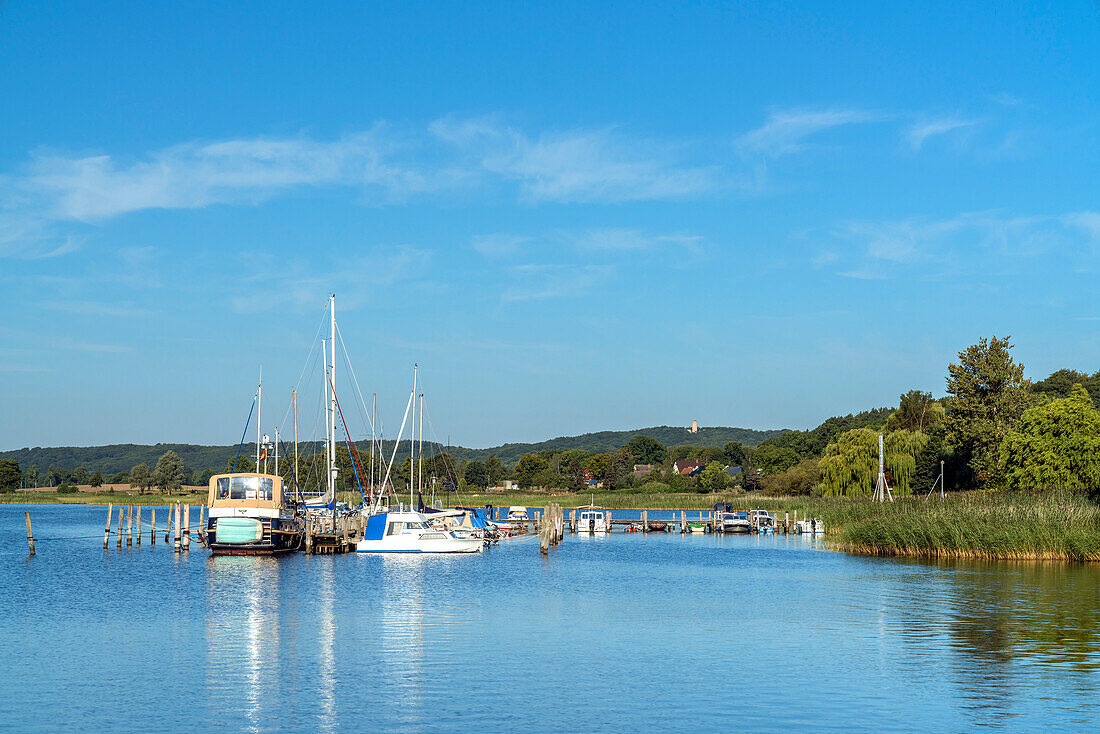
point(615, 633)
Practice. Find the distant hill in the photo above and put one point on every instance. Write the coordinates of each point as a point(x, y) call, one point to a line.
point(122, 457)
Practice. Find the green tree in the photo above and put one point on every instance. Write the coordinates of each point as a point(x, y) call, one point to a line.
point(772, 459)
point(1060, 385)
point(495, 469)
point(646, 450)
point(55, 476)
point(97, 480)
point(850, 466)
point(476, 474)
point(713, 477)
point(1055, 445)
point(578, 482)
point(79, 475)
point(598, 465)
point(735, 453)
point(168, 474)
point(619, 470)
point(139, 477)
point(10, 475)
point(916, 412)
point(33, 475)
point(987, 395)
point(241, 464)
point(530, 466)
point(798, 480)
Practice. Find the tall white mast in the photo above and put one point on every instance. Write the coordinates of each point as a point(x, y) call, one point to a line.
point(259, 412)
point(332, 407)
point(412, 441)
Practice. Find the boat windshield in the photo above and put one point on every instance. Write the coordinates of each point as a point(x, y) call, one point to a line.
point(245, 488)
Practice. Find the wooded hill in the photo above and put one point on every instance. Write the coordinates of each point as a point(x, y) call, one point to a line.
point(122, 457)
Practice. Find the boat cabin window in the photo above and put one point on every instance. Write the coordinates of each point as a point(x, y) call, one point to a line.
point(395, 528)
point(245, 488)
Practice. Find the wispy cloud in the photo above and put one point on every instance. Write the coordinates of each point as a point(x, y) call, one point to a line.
point(581, 165)
point(537, 282)
point(609, 241)
point(95, 308)
point(882, 249)
point(923, 129)
point(786, 131)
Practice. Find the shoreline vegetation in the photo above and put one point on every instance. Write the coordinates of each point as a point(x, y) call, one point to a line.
point(1050, 525)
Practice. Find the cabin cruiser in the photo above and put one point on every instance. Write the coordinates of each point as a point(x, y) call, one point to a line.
point(726, 520)
point(410, 532)
point(250, 516)
point(762, 521)
point(809, 527)
point(592, 520)
point(517, 512)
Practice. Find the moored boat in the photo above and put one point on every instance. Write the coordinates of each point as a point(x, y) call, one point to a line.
point(697, 527)
point(409, 532)
point(592, 519)
point(249, 515)
point(657, 526)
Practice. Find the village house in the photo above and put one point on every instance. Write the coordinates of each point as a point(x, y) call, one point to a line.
point(688, 467)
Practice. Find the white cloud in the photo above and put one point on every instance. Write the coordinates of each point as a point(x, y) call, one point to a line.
point(989, 240)
point(537, 282)
point(497, 245)
point(600, 165)
point(923, 129)
point(785, 131)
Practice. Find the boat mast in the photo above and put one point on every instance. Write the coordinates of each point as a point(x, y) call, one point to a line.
point(259, 412)
point(412, 442)
point(420, 461)
point(332, 405)
point(276, 449)
point(373, 432)
point(297, 487)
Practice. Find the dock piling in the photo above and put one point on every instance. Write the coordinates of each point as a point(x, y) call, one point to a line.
point(137, 526)
point(176, 545)
point(107, 529)
point(129, 525)
point(30, 535)
point(118, 533)
point(168, 527)
point(186, 527)
point(153, 526)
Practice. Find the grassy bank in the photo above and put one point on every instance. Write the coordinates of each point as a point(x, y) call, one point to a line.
point(101, 498)
point(1054, 525)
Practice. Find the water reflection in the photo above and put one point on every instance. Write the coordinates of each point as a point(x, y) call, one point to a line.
point(242, 635)
point(326, 642)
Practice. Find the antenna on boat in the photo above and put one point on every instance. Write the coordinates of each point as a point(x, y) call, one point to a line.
point(259, 412)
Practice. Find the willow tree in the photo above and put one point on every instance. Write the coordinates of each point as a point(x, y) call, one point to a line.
point(1055, 445)
point(850, 466)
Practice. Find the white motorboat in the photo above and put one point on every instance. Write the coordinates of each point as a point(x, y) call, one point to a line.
point(592, 520)
point(409, 532)
point(516, 512)
point(810, 527)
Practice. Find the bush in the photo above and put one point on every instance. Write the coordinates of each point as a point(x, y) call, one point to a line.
point(800, 479)
point(652, 487)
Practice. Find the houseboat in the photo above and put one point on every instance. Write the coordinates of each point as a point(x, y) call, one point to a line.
point(250, 516)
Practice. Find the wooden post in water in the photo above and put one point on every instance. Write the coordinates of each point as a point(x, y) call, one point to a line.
point(683, 522)
point(168, 527)
point(573, 521)
point(137, 525)
point(186, 527)
point(153, 526)
point(176, 545)
point(309, 533)
point(786, 522)
point(608, 522)
point(30, 535)
point(645, 521)
point(129, 525)
point(796, 519)
point(118, 533)
point(107, 529)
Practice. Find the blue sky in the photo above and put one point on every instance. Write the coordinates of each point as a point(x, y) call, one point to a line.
point(573, 216)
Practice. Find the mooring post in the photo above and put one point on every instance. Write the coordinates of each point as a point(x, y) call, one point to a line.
point(137, 526)
point(176, 545)
point(544, 539)
point(645, 521)
point(129, 525)
point(187, 527)
point(118, 534)
point(786, 522)
point(30, 535)
point(309, 533)
point(168, 527)
point(107, 529)
point(796, 520)
point(153, 526)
